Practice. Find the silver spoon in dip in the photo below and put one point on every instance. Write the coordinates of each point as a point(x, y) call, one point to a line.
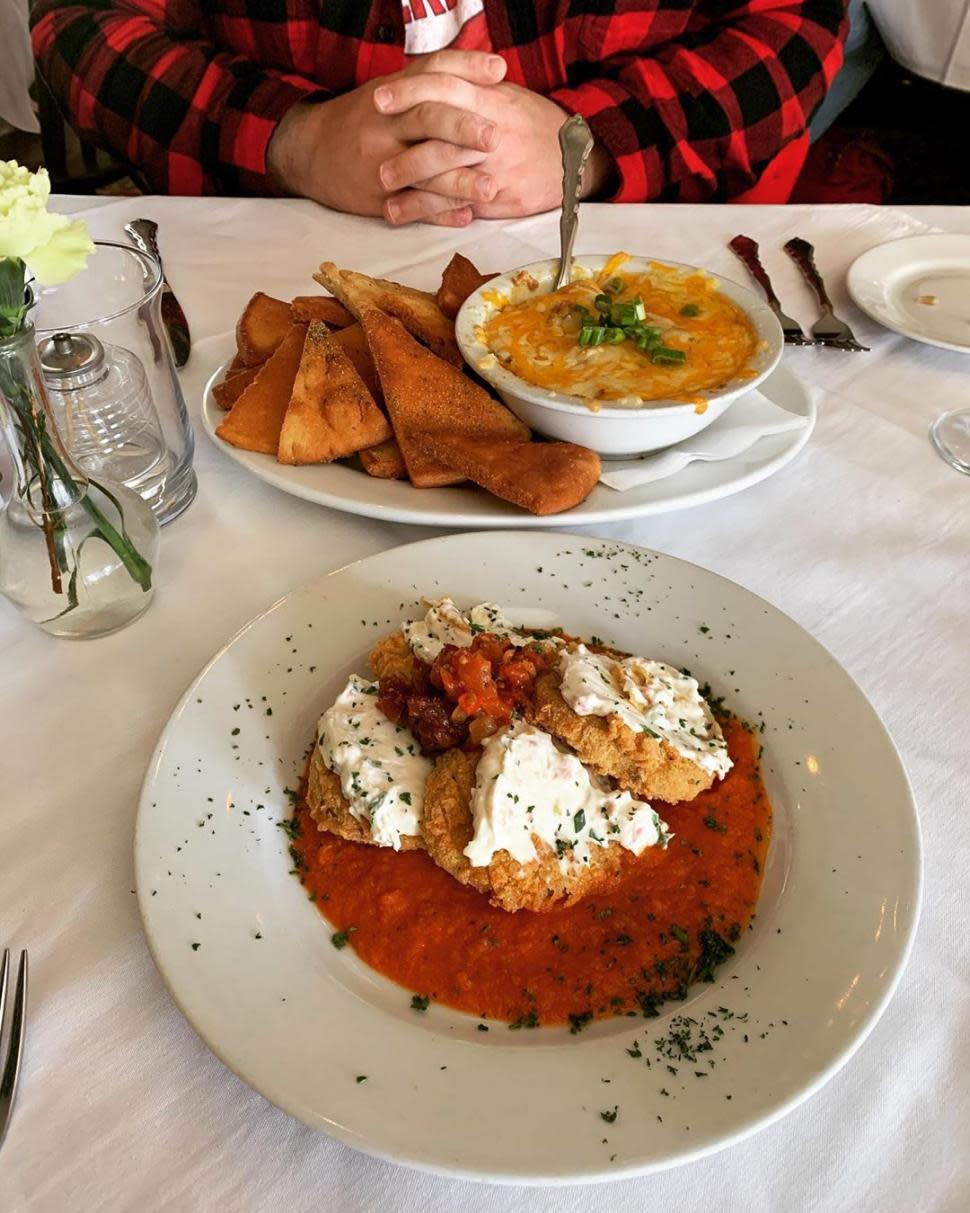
point(575, 143)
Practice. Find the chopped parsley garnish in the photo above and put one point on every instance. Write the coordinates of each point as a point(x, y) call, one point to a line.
point(712, 823)
point(579, 1021)
point(680, 934)
point(290, 826)
point(579, 821)
point(405, 797)
point(361, 1078)
point(529, 1020)
point(610, 1116)
point(340, 939)
point(420, 1002)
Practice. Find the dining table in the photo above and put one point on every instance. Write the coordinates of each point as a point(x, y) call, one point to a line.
point(863, 540)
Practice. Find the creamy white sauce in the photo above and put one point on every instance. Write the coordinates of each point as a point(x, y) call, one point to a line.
point(649, 697)
point(446, 624)
point(381, 770)
point(527, 786)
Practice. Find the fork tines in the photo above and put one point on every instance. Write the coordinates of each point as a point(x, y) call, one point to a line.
point(15, 1045)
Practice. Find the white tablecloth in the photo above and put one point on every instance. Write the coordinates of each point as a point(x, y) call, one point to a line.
point(863, 540)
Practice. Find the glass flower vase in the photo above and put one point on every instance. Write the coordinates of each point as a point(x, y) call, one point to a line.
point(77, 556)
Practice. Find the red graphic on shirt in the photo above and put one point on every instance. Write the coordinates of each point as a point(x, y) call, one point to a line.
point(473, 35)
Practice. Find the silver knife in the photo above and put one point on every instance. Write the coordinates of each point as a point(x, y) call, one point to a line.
point(143, 234)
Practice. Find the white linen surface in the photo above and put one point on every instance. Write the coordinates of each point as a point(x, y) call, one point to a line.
point(863, 540)
point(747, 420)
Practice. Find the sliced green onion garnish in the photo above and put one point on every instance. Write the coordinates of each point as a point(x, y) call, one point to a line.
point(664, 353)
point(604, 304)
point(615, 336)
point(592, 334)
point(690, 309)
point(614, 286)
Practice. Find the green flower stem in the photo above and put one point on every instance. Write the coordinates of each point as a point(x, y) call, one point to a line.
point(40, 456)
point(138, 567)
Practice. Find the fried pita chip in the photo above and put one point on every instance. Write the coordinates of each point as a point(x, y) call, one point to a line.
point(305, 308)
point(226, 394)
point(261, 328)
point(458, 281)
point(331, 414)
point(384, 461)
point(237, 364)
point(417, 310)
point(423, 393)
point(255, 420)
point(354, 344)
point(542, 477)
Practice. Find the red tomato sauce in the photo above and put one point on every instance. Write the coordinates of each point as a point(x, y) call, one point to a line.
point(669, 919)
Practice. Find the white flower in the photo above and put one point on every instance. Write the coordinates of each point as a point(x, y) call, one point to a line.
point(53, 246)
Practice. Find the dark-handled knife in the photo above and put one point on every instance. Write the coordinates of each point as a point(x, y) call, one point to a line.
point(143, 234)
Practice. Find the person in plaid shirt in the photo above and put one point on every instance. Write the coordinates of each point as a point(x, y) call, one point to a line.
point(340, 101)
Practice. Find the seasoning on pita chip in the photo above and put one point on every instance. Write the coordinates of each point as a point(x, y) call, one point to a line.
point(232, 387)
point(542, 477)
point(384, 461)
point(459, 280)
point(423, 393)
point(254, 422)
point(354, 344)
point(261, 328)
point(417, 310)
point(331, 414)
point(305, 308)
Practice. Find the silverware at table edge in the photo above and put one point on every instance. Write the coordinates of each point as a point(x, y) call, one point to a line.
point(18, 1022)
point(575, 143)
point(746, 250)
point(829, 330)
point(143, 234)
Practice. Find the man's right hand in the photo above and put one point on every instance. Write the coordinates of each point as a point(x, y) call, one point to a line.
point(331, 151)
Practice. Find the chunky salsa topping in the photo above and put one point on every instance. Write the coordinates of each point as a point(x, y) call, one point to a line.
point(467, 693)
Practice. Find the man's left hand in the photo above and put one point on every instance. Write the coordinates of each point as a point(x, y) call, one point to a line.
point(522, 175)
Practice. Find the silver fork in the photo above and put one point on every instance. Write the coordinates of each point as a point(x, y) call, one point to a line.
point(747, 250)
point(829, 330)
point(15, 1048)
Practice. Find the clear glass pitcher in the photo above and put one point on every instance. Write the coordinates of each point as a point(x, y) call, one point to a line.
point(111, 377)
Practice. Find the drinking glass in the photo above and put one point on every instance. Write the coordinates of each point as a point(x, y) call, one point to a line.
point(124, 417)
point(950, 434)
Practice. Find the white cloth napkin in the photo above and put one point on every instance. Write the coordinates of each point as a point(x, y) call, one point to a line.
point(749, 418)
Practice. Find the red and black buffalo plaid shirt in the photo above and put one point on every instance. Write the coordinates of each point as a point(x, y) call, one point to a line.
point(692, 98)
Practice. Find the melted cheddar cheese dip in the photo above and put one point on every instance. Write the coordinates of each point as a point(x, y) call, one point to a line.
point(536, 335)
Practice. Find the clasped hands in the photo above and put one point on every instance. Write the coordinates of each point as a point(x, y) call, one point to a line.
point(444, 141)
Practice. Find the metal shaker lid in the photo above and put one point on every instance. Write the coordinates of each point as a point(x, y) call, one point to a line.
point(72, 360)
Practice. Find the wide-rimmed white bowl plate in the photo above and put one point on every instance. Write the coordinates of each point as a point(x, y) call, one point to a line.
point(888, 282)
point(343, 487)
point(248, 958)
point(612, 431)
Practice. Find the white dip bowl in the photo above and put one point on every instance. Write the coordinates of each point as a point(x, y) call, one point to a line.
point(615, 433)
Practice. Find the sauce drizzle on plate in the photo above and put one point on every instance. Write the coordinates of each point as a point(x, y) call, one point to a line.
point(670, 919)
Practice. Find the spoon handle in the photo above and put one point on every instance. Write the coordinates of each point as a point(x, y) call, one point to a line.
point(576, 143)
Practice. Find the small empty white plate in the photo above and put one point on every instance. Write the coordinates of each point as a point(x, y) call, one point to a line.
point(918, 286)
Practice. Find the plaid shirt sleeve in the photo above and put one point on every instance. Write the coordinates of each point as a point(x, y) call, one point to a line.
point(702, 115)
point(138, 77)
